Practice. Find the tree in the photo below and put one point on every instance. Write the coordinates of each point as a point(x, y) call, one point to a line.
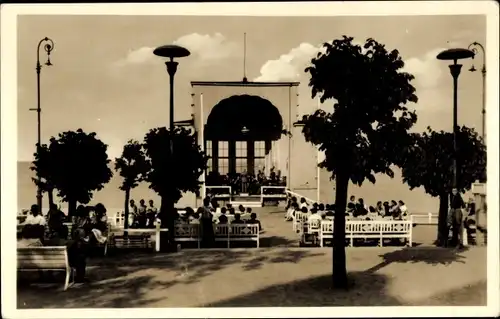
point(43, 165)
point(177, 163)
point(81, 166)
point(368, 124)
point(133, 168)
point(429, 163)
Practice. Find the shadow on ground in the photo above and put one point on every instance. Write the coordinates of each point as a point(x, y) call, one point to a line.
point(428, 255)
point(369, 289)
point(123, 280)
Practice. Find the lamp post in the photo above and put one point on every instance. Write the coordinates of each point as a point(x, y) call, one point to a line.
point(48, 47)
point(171, 51)
point(455, 55)
point(474, 48)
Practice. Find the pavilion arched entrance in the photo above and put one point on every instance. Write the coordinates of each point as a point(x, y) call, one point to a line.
point(239, 134)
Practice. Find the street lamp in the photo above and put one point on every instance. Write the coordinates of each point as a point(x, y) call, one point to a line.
point(474, 48)
point(455, 55)
point(48, 47)
point(171, 51)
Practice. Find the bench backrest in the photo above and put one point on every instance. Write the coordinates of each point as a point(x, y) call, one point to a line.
point(49, 257)
point(358, 226)
point(301, 217)
point(244, 230)
point(187, 230)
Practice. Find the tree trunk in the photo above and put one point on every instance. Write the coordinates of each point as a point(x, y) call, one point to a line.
point(442, 230)
point(50, 193)
point(126, 212)
point(339, 270)
point(167, 239)
point(71, 207)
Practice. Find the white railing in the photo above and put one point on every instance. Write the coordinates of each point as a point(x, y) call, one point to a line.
point(426, 219)
point(298, 196)
point(273, 196)
point(228, 195)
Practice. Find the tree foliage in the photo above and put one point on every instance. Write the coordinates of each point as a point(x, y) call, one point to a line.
point(177, 172)
point(429, 162)
point(369, 124)
point(133, 167)
point(82, 166)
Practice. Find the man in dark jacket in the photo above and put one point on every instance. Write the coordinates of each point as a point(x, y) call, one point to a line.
point(455, 218)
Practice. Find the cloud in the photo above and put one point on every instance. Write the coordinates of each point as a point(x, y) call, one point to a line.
point(207, 47)
point(203, 47)
point(289, 66)
point(426, 69)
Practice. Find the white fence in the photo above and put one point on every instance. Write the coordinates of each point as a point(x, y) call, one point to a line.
point(224, 195)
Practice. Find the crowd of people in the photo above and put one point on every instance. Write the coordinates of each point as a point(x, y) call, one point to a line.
point(460, 214)
point(142, 216)
point(88, 228)
point(247, 183)
point(218, 215)
point(395, 210)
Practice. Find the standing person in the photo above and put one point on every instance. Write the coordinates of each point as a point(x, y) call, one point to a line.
point(244, 182)
point(79, 249)
point(132, 214)
point(207, 228)
point(150, 214)
point(456, 217)
point(141, 214)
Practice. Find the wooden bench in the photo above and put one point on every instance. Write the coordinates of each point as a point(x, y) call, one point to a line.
point(377, 229)
point(49, 258)
point(129, 242)
point(237, 232)
point(187, 233)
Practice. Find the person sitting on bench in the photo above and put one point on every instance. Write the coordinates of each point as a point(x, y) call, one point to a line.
point(237, 219)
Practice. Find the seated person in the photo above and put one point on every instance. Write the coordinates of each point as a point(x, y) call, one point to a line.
point(246, 215)
point(321, 208)
point(223, 219)
point(290, 213)
point(394, 210)
point(253, 220)
point(31, 236)
point(380, 209)
point(387, 209)
point(351, 208)
point(372, 214)
point(314, 216)
point(35, 217)
point(231, 211)
point(360, 208)
point(403, 210)
point(303, 203)
point(237, 219)
point(59, 238)
point(241, 209)
point(217, 214)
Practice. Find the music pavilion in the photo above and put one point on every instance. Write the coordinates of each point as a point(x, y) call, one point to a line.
point(240, 126)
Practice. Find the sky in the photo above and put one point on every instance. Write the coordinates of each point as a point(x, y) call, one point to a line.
point(105, 78)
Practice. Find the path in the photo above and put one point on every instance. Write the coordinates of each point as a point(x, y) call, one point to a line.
point(275, 277)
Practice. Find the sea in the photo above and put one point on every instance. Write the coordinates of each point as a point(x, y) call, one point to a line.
point(385, 189)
